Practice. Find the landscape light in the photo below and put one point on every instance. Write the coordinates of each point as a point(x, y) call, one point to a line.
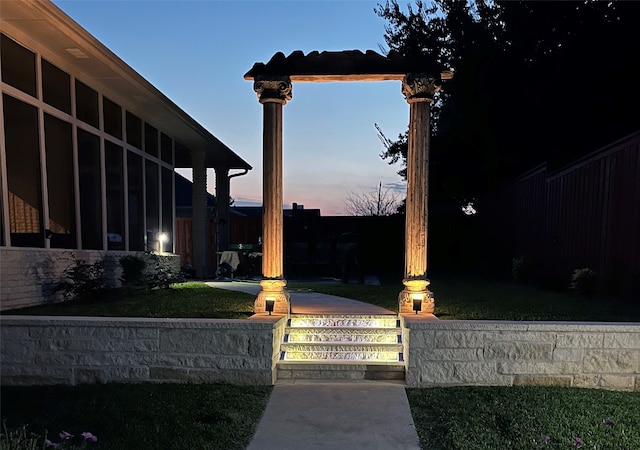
point(417, 302)
point(269, 304)
point(162, 238)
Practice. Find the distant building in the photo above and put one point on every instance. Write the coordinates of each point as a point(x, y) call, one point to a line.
point(88, 149)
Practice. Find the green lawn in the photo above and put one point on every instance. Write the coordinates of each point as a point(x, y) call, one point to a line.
point(475, 418)
point(473, 298)
point(185, 300)
point(220, 416)
point(139, 416)
point(456, 297)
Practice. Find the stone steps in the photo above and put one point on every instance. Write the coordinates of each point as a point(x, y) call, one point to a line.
point(352, 371)
point(342, 347)
point(343, 335)
point(344, 321)
point(327, 351)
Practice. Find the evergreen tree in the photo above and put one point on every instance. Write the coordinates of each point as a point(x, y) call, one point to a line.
point(534, 81)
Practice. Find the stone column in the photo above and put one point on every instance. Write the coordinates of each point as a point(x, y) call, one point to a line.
point(199, 220)
point(273, 93)
point(419, 91)
point(222, 208)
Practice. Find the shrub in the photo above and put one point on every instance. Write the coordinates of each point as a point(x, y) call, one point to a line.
point(160, 272)
point(81, 279)
point(583, 281)
point(521, 268)
point(132, 271)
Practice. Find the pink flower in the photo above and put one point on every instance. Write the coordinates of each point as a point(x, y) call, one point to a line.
point(607, 421)
point(65, 435)
point(578, 442)
point(89, 437)
point(546, 438)
point(48, 443)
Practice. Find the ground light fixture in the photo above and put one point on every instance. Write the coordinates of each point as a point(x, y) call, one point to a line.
point(269, 304)
point(417, 302)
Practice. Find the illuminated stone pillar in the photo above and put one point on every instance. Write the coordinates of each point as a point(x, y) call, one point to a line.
point(419, 91)
point(199, 222)
point(273, 94)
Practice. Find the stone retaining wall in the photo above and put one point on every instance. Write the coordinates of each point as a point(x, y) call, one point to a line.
point(578, 354)
point(74, 350)
point(28, 275)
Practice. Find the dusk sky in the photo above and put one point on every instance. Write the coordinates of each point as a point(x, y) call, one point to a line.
point(196, 53)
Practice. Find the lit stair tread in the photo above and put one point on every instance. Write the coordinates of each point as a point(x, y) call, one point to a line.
point(350, 329)
point(313, 323)
point(348, 346)
point(395, 360)
point(343, 342)
point(336, 364)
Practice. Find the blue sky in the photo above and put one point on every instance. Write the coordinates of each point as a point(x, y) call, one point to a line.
point(196, 53)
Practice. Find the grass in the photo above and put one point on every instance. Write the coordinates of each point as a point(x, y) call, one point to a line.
point(472, 298)
point(457, 298)
point(220, 416)
point(145, 416)
point(184, 300)
point(168, 416)
point(474, 418)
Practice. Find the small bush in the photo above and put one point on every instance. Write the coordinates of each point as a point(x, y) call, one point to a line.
point(82, 279)
point(132, 271)
point(583, 281)
point(160, 273)
point(521, 268)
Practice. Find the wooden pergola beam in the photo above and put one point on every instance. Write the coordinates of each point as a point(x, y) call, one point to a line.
point(348, 65)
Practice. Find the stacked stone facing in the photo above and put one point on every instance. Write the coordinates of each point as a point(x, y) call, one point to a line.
point(577, 354)
point(75, 350)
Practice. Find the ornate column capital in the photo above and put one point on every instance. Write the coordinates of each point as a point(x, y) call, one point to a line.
point(273, 89)
point(420, 87)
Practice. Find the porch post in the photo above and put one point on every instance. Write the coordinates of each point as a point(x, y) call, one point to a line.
point(273, 93)
point(199, 222)
point(419, 90)
point(222, 208)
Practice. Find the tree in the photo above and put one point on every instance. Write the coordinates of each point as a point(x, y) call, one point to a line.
point(380, 202)
point(534, 81)
point(395, 150)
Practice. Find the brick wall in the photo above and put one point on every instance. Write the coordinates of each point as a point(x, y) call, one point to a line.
point(28, 275)
point(65, 350)
point(590, 355)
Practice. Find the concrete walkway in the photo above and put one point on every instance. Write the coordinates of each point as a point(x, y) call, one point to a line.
point(310, 414)
point(336, 416)
point(308, 302)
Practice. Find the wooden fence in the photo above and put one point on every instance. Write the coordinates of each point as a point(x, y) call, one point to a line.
point(585, 215)
point(184, 242)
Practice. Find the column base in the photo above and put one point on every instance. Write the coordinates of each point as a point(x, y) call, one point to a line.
point(415, 298)
point(273, 298)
